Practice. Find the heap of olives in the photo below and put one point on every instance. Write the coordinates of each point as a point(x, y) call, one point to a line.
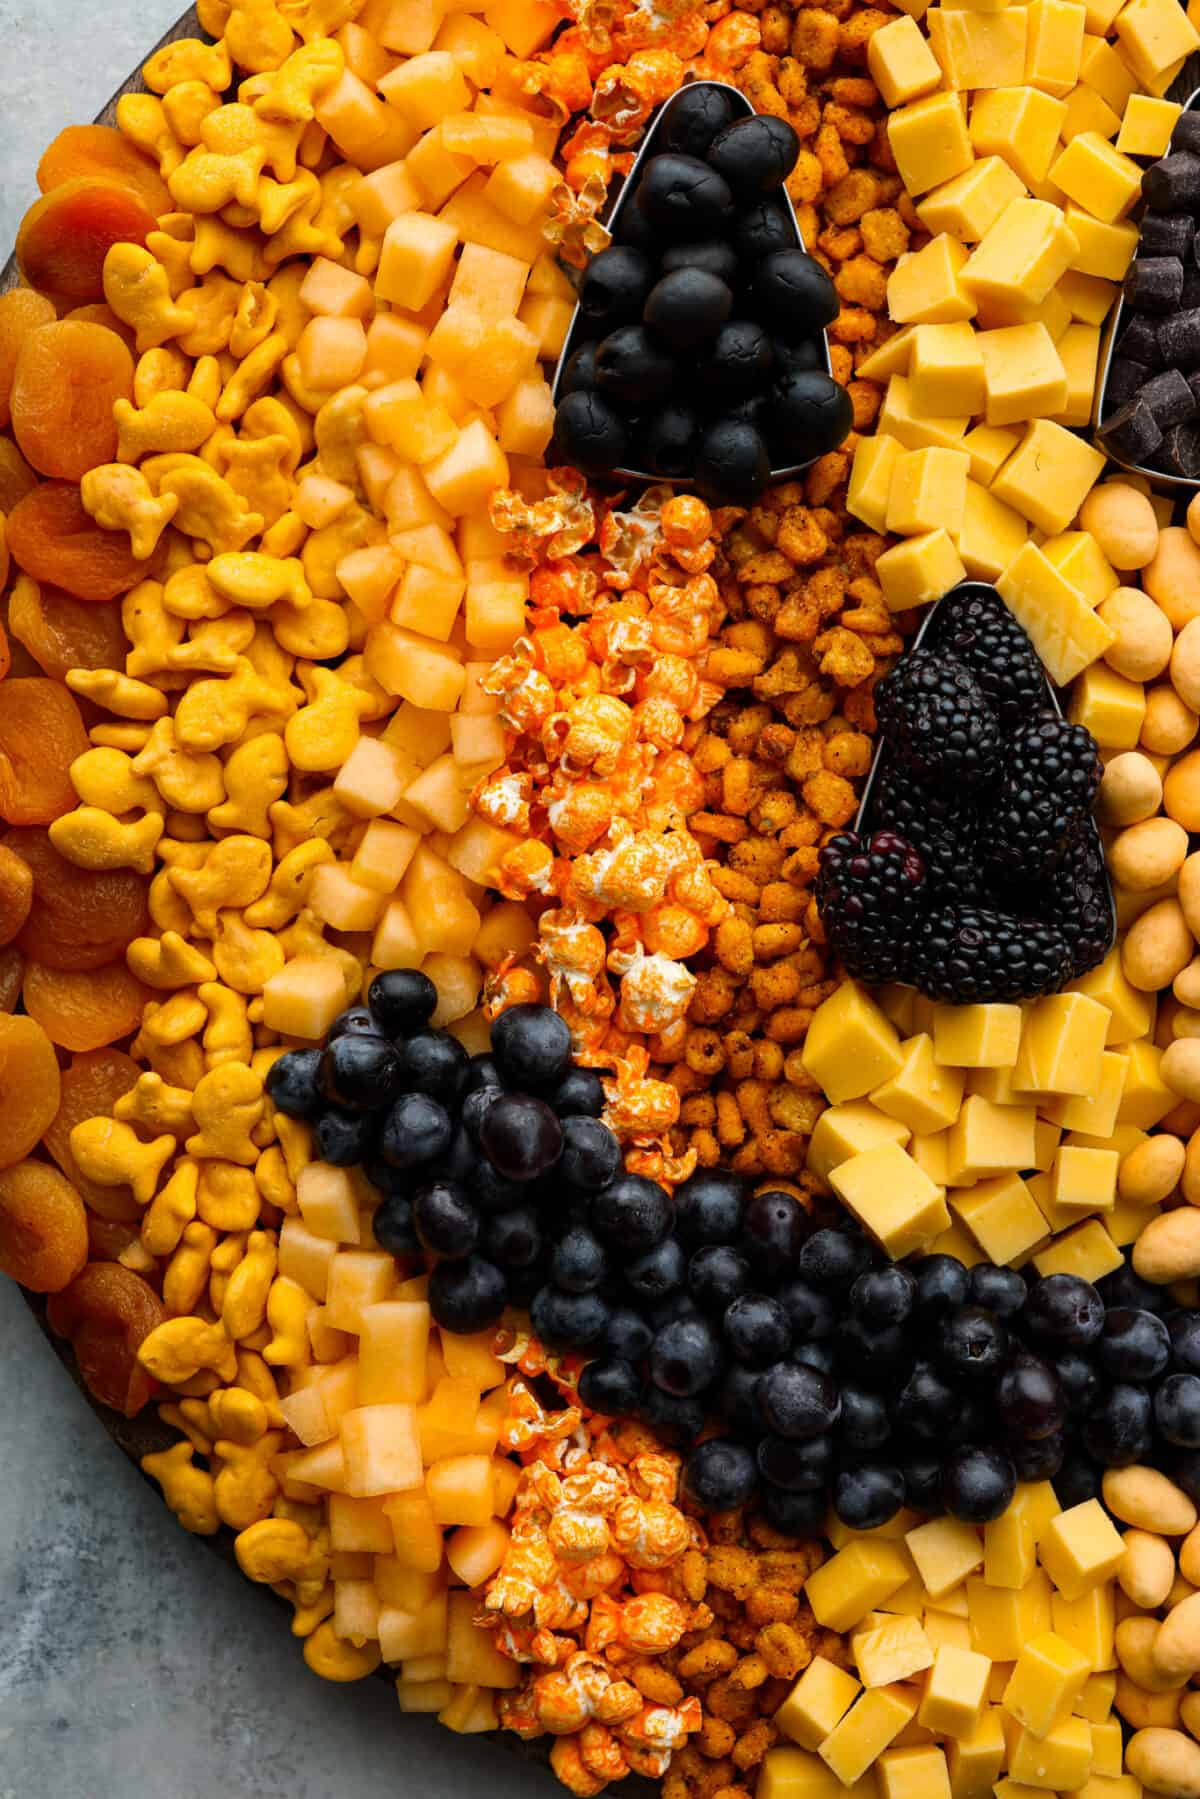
point(702, 357)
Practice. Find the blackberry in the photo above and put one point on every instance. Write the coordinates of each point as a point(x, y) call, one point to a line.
point(937, 719)
point(982, 632)
point(970, 954)
point(1077, 898)
point(944, 833)
point(1050, 780)
point(1059, 758)
point(869, 892)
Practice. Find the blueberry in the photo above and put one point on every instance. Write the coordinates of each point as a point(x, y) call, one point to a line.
point(1030, 1399)
point(578, 1263)
point(798, 1402)
point(874, 1352)
point(735, 1402)
point(832, 1260)
point(661, 1312)
point(580, 1094)
point(293, 1085)
point(467, 1296)
point(796, 1514)
point(415, 1131)
point(883, 1295)
point(614, 286)
point(720, 1474)
point(867, 1496)
point(927, 1404)
point(1076, 1481)
point(812, 1314)
point(942, 1285)
point(978, 1483)
point(531, 1046)
point(708, 1207)
point(611, 1386)
point(717, 1275)
point(922, 1470)
point(568, 1320)
point(521, 1137)
point(433, 1062)
point(675, 1421)
point(1118, 1428)
point(344, 1138)
point(513, 1239)
point(659, 1272)
point(393, 1225)
point(1183, 1327)
point(1001, 1290)
point(1177, 1410)
point(1040, 1459)
point(475, 1108)
point(355, 1021)
point(403, 1000)
point(445, 1220)
point(685, 1357)
point(492, 1193)
point(360, 1072)
point(627, 1336)
point(1078, 1378)
point(632, 1214)
point(755, 155)
point(694, 117)
point(774, 1226)
point(1064, 1310)
point(800, 1467)
point(1125, 1288)
point(974, 1344)
point(815, 1355)
point(1134, 1345)
point(591, 1154)
point(864, 1423)
point(757, 1330)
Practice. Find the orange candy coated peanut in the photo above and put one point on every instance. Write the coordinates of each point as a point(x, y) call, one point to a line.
point(81, 918)
point(29, 1086)
point(21, 312)
point(53, 539)
point(16, 893)
point(41, 733)
point(87, 1009)
point(103, 151)
point(108, 1312)
point(92, 1084)
point(61, 632)
point(64, 237)
point(43, 1227)
point(67, 380)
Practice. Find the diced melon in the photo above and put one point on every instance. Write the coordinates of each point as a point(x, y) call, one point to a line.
point(408, 26)
point(442, 386)
point(476, 701)
point(475, 220)
point(298, 1490)
point(416, 1287)
point(408, 1589)
point(350, 1564)
point(474, 1032)
point(392, 1345)
point(472, 1358)
point(377, 467)
point(328, 1201)
point(459, 982)
point(417, 668)
point(355, 1611)
point(525, 25)
point(486, 140)
point(328, 1345)
point(304, 998)
point(547, 276)
point(478, 849)
point(475, 47)
point(475, 1551)
point(371, 779)
point(526, 416)
point(382, 1449)
point(460, 1489)
point(378, 198)
point(443, 915)
point(341, 902)
point(415, 259)
point(446, 1422)
point(304, 1257)
point(395, 347)
point(495, 613)
point(357, 1278)
point(506, 1477)
point(331, 352)
point(418, 733)
point(360, 1524)
point(548, 319)
point(409, 502)
point(478, 742)
point(395, 943)
point(507, 930)
point(471, 1653)
point(435, 1364)
point(425, 1667)
point(418, 1696)
point(363, 52)
point(471, 1710)
point(427, 87)
point(431, 546)
point(392, 145)
point(330, 289)
point(368, 575)
point(436, 169)
point(468, 472)
point(384, 852)
point(354, 117)
point(458, 335)
point(427, 600)
point(417, 1533)
point(519, 190)
point(477, 537)
point(402, 417)
point(338, 1386)
point(490, 282)
point(545, 130)
point(491, 372)
point(403, 1635)
point(305, 1416)
point(323, 1467)
point(438, 795)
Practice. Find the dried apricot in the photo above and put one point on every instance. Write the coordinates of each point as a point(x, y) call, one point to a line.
point(41, 733)
point(16, 893)
point(12, 969)
point(53, 539)
point(81, 917)
point(108, 1312)
point(16, 477)
point(98, 313)
point(30, 1088)
point(91, 1085)
point(86, 1009)
point(61, 632)
point(104, 151)
point(43, 1227)
point(4, 581)
point(109, 1238)
point(21, 311)
point(67, 380)
point(64, 237)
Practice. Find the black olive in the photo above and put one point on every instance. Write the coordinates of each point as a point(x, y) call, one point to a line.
point(731, 464)
point(669, 443)
point(755, 155)
point(614, 286)
point(579, 371)
point(750, 411)
point(717, 257)
point(807, 415)
point(687, 306)
point(590, 433)
point(793, 296)
point(684, 199)
point(739, 359)
point(633, 227)
point(791, 358)
point(693, 119)
point(761, 228)
point(631, 366)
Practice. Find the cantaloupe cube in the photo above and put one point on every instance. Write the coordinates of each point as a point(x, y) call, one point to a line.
point(547, 276)
point(476, 701)
point(425, 1667)
point(323, 1467)
point(519, 189)
point(377, 467)
point(507, 929)
point(439, 796)
point(506, 97)
point(363, 52)
point(408, 1589)
point(427, 600)
point(427, 87)
point(402, 418)
point(392, 145)
point(304, 998)
point(378, 198)
point(478, 741)
point(468, 472)
point(440, 385)
point(350, 1564)
point(472, 1358)
point(355, 1611)
point(460, 1489)
point(418, 733)
point(475, 47)
point(409, 502)
point(508, 355)
point(490, 282)
point(395, 349)
point(436, 169)
point(408, 26)
point(458, 335)
point(459, 982)
point(477, 537)
point(446, 1422)
point(303, 1256)
point(331, 290)
point(476, 220)
point(331, 352)
point(360, 1524)
point(471, 1653)
point(382, 1449)
point(471, 1711)
point(526, 416)
point(525, 25)
point(475, 1551)
point(477, 850)
point(354, 117)
point(305, 1416)
point(339, 901)
point(486, 140)
point(417, 1532)
point(384, 852)
point(549, 319)
point(418, 669)
point(415, 1287)
point(298, 1490)
point(495, 614)
point(474, 1032)
point(395, 943)
point(442, 913)
point(357, 1278)
point(328, 1201)
point(403, 1635)
point(371, 779)
point(415, 259)
point(391, 1355)
point(317, 501)
point(418, 1696)
point(327, 1344)
point(506, 1478)
point(429, 545)
point(368, 576)
point(338, 1387)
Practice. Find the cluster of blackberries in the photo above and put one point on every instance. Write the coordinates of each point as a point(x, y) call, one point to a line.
point(983, 876)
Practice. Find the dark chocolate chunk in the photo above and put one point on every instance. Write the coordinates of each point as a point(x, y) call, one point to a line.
point(1179, 339)
point(1131, 434)
point(1125, 378)
point(1190, 297)
point(1154, 283)
point(1173, 183)
point(1167, 233)
point(1139, 340)
point(1169, 398)
point(1179, 452)
point(1193, 382)
point(1186, 135)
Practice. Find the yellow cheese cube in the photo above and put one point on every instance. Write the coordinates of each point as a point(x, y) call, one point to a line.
point(980, 1036)
point(1080, 1548)
point(1088, 111)
point(944, 1552)
point(929, 1153)
point(1003, 1618)
point(900, 62)
point(1104, 70)
point(1023, 373)
point(1147, 126)
point(899, 419)
point(854, 1581)
point(1095, 1703)
point(919, 570)
point(1094, 1113)
point(975, 1761)
point(928, 488)
point(1104, 250)
point(1080, 560)
point(1088, 297)
point(1010, 1541)
point(871, 478)
point(1088, 1623)
point(1065, 631)
point(1022, 255)
point(894, 1650)
point(851, 1046)
point(988, 446)
point(969, 205)
point(1147, 1099)
point(926, 287)
point(929, 141)
point(922, 1093)
point(1087, 1251)
point(822, 1696)
point(1105, 1786)
point(957, 1241)
point(1062, 1043)
point(893, 1199)
point(991, 532)
point(986, 1139)
point(1085, 1180)
point(1107, 1746)
point(917, 1772)
point(1061, 1758)
point(945, 374)
point(995, 311)
point(1112, 707)
point(1048, 1675)
point(954, 1692)
point(1079, 353)
point(977, 49)
point(788, 1773)
point(843, 1131)
point(1020, 124)
point(1154, 34)
point(890, 1531)
point(1097, 177)
point(945, 1630)
point(1002, 1215)
point(866, 1730)
point(1055, 44)
point(890, 358)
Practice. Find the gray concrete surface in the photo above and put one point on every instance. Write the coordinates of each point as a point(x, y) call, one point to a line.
point(133, 1664)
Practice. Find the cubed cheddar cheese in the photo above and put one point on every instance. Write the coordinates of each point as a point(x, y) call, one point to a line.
point(1023, 374)
point(1105, 251)
point(1019, 124)
point(1080, 560)
point(820, 1698)
point(1054, 46)
point(1147, 126)
point(929, 141)
point(955, 1690)
point(1088, 111)
point(978, 49)
point(843, 1130)
point(919, 570)
point(926, 287)
point(986, 1139)
point(1048, 1675)
point(893, 1199)
point(1084, 1180)
point(900, 62)
point(871, 479)
point(967, 206)
point(1079, 352)
point(989, 447)
point(1002, 1619)
point(1002, 1216)
point(1063, 1754)
point(1088, 1624)
point(866, 1730)
point(916, 1771)
point(851, 1045)
point(978, 1036)
point(1066, 633)
point(991, 533)
point(1098, 177)
point(1080, 1548)
point(854, 1581)
point(891, 1650)
point(1112, 707)
point(944, 1552)
point(1154, 35)
point(1022, 255)
point(923, 1094)
point(975, 1761)
point(927, 490)
point(899, 419)
point(1062, 1045)
point(1010, 1542)
point(1088, 1251)
point(945, 371)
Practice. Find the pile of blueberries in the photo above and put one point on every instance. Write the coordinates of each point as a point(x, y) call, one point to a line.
point(703, 319)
